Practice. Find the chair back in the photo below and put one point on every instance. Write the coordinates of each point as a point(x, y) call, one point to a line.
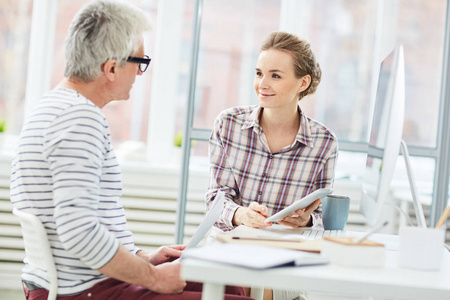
point(37, 248)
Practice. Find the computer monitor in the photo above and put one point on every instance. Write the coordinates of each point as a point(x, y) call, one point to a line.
point(385, 139)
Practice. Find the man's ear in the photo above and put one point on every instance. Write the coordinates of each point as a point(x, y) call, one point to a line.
point(109, 69)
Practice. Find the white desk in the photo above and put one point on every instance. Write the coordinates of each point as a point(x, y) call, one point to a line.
point(328, 281)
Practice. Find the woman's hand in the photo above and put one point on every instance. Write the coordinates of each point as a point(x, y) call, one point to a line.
point(252, 216)
point(162, 254)
point(301, 217)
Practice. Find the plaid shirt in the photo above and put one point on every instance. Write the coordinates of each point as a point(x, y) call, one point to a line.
point(243, 166)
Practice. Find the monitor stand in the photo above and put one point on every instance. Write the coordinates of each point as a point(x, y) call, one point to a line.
point(412, 184)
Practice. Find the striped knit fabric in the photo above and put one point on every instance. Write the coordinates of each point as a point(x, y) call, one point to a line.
point(65, 172)
point(243, 166)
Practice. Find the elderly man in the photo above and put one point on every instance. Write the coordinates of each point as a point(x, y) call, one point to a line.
point(65, 171)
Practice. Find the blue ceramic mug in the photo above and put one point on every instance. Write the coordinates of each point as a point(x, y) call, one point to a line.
point(335, 212)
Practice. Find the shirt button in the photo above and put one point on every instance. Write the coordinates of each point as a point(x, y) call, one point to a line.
point(270, 156)
point(260, 193)
point(265, 174)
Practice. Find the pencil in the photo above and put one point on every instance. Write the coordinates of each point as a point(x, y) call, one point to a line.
point(443, 217)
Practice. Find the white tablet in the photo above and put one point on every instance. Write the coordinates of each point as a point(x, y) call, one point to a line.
point(302, 203)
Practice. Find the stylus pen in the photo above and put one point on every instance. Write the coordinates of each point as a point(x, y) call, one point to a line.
point(370, 232)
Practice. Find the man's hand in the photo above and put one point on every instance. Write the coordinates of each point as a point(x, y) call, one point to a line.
point(134, 269)
point(301, 217)
point(252, 216)
point(162, 254)
point(167, 279)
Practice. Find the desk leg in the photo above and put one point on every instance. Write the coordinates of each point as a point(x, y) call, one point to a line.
point(212, 291)
point(257, 293)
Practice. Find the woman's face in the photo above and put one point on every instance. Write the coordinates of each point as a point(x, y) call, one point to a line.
point(275, 83)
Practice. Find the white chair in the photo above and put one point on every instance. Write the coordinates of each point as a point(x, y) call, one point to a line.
point(37, 248)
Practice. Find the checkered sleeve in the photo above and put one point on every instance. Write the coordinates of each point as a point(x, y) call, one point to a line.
point(221, 178)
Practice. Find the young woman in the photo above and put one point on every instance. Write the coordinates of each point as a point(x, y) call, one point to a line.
point(266, 156)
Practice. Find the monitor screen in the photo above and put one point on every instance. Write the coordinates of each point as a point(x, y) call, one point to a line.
point(385, 135)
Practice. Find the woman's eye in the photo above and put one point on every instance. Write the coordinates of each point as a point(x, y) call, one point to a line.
point(275, 76)
point(258, 73)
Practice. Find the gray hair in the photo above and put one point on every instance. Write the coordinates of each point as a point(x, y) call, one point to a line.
point(100, 31)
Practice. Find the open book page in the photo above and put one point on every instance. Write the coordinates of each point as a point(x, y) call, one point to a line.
point(253, 256)
point(208, 221)
point(210, 218)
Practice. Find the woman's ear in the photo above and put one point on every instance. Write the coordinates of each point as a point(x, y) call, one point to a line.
point(305, 81)
point(109, 69)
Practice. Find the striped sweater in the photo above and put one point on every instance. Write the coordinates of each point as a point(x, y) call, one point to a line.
point(65, 172)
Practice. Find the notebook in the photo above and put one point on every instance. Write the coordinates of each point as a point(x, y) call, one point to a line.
point(254, 256)
point(296, 244)
point(276, 236)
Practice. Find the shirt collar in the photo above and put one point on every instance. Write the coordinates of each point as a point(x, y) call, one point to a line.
point(253, 121)
point(304, 132)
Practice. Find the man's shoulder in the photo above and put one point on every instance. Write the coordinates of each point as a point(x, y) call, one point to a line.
point(67, 98)
point(59, 108)
point(63, 102)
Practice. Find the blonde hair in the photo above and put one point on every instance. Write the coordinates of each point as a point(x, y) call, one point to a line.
point(304, 60)
point(100, 31)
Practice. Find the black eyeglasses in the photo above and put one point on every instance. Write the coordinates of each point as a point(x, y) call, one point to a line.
point(142, 61)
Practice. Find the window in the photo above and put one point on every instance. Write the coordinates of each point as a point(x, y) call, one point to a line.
point(15, 22)
point(349, 38)
point(229, 41)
